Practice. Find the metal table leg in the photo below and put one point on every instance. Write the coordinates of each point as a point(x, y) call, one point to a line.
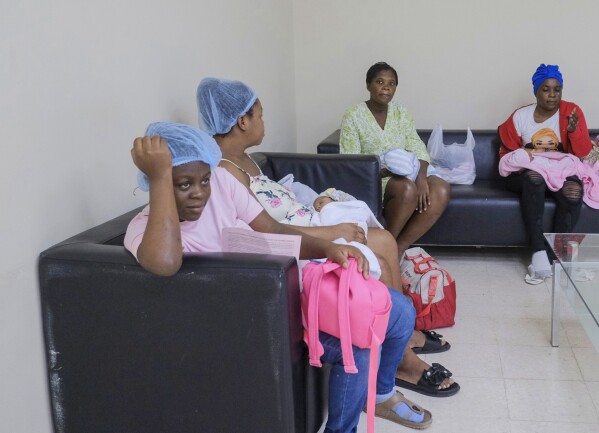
point(555, 293)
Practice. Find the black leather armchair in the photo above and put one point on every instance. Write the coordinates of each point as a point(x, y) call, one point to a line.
point(216, 348)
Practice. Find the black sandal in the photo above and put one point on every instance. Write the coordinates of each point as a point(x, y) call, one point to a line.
point(429, 383)
point(432, 344)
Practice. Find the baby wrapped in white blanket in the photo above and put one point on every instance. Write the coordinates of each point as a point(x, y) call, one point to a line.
point(336, 207)
point(340, 208)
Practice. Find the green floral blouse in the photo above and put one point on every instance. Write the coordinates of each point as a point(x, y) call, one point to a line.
point(360, 133)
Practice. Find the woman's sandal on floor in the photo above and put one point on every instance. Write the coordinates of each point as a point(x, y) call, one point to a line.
point(432, 344)
point(429, 383)
point(385, 410)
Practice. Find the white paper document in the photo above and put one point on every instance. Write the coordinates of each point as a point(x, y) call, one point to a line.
point(237, 240)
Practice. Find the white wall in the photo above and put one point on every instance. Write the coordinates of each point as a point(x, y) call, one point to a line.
point(78, 81)
point(460, 63)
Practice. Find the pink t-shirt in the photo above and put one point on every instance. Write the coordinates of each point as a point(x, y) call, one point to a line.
point(230, 205)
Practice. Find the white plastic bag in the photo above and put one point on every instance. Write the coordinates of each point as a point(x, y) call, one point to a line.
point(455, 162)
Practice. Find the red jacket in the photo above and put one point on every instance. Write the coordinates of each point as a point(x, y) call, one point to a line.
point(577, 142)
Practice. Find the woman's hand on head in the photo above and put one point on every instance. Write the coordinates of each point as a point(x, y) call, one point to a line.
point(152, 156)
point(160, 251)
point(572, 121)
point(341, 253)
point(350, 232)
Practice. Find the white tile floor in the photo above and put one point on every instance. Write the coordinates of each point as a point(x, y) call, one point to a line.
point(512, 380)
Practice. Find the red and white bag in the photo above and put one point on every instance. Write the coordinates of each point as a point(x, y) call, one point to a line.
point(431, 288)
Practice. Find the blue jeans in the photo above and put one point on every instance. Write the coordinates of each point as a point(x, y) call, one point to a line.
point(347, 391)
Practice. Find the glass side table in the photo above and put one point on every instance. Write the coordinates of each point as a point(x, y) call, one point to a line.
point(576, 274)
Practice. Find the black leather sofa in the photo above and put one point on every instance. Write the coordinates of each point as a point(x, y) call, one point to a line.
point(216, 348)
point(484, 213)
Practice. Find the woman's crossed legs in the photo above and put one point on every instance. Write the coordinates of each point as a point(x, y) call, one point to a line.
point(404, 222)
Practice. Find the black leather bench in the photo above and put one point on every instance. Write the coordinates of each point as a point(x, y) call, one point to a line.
point(484, 213)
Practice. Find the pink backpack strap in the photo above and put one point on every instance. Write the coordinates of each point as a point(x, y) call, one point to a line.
point(373, 369)
point(317, 273)
point(349, 363)
point(372, 375)
point(315, 349)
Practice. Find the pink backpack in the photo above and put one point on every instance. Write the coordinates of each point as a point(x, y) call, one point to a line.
point(342, 303)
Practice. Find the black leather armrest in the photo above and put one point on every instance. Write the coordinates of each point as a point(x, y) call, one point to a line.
point(330, 144)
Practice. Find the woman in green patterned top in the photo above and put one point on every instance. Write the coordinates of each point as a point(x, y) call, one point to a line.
point(374, 127)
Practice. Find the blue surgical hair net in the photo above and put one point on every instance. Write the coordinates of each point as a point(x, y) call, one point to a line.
point(186, 144)
point(221, 102)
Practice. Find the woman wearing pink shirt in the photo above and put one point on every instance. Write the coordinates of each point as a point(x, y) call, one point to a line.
point(231, 112)
point(191, 200)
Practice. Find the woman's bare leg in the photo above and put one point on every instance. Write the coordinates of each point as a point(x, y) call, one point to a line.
point(386, 277)
point(421, 222)
point(399, 203)
point(383, 243)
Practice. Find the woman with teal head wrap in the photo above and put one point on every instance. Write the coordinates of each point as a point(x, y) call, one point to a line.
point(567, 121)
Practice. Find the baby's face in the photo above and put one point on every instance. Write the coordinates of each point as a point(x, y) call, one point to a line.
point(321, 202)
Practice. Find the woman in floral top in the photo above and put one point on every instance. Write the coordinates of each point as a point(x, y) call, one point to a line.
point(232, 113)
point(379, 125)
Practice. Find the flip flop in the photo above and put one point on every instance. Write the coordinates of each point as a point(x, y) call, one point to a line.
point(432, 344)
point(385, 410)
point(429, 383)
point(532, 278)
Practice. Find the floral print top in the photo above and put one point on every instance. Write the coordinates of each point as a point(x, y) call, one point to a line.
point(278, 201)
point(361, 134)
